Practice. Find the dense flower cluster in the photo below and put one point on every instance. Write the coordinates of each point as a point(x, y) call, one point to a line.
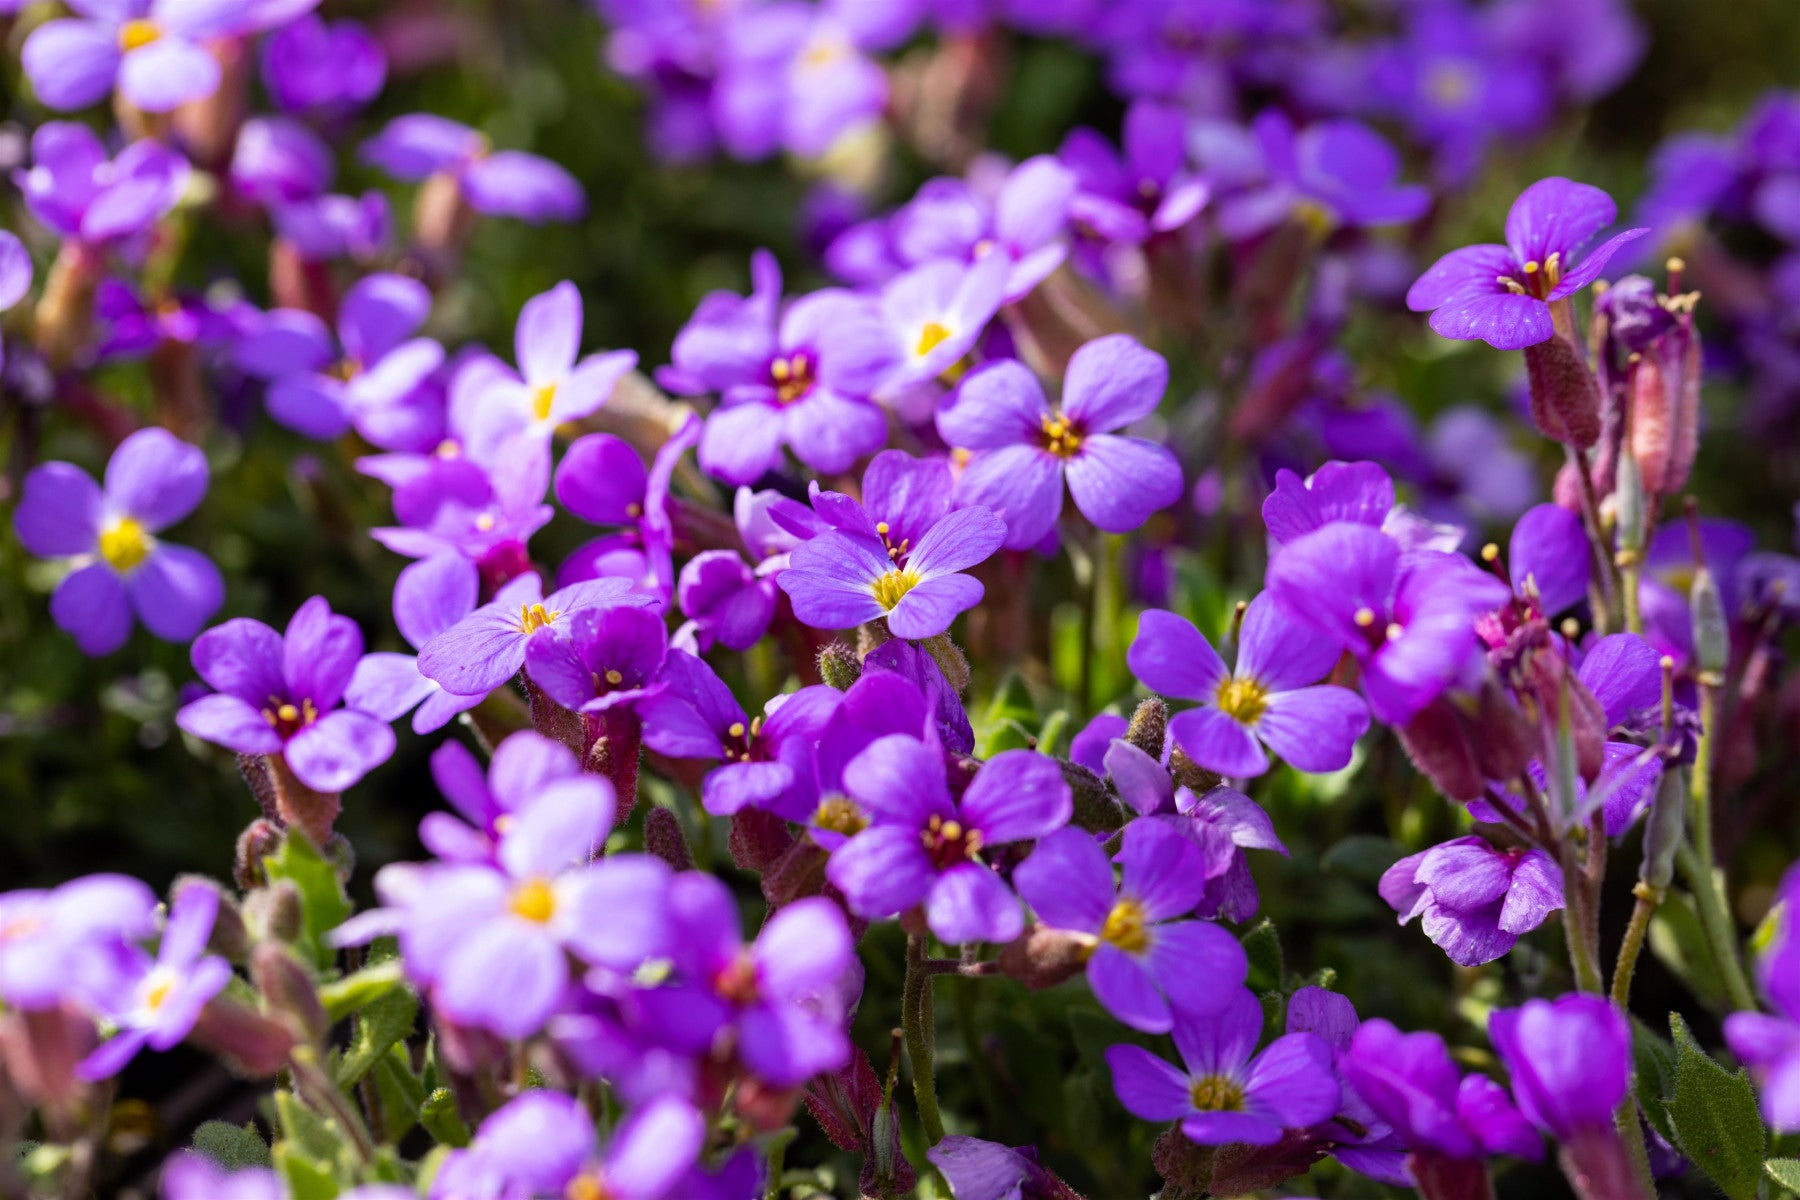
point(708, 636)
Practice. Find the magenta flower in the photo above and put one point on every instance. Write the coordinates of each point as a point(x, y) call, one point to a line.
point(278, 693)
point(487, 647)
point(602, 480)
point(159, 1001)
point(1146, 957)
point(78, 193)
point(120, 567)
point(1410, 1082)
point(1569, 1059)
point(600, 659)
point(1474, 901)
point(153, 49)
point(1769, 1045)
point(925, 847)
point(1265, 700)
point(320, 69)
point(726, 601)
point(1024, 447)
point(1144, 188)
point(429, 597)
point(500, 183)
point(544, 1143)
point(1228, 1092)
point(1502, 294)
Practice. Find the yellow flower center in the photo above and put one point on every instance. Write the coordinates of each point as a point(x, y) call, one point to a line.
point(889, 588)
point(1216, 1093)
point(1450, 84)
point(156, 994)
point(533, 617)
point(840, 814)
point(931, 337)
point(138, 33)
point(1125, 927)
point(615, 678)
point(586, 1186)
point(534, 901)
point(124, 545)
point(793, 377)
point(286, 718)
point(1061, 438)
point(1540, 279)
point(1245, 700)
point(824, 52)
point(541, 400)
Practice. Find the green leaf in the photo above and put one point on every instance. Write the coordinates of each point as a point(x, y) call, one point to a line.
point(1050, 736)
point(304, 1130)
point(382, 1023)
point(1714, 1117)
point(232, 1146)
point(306, 1178)
point(441, 1120)
point(1679, 943)
point(1785, 1172)
point(361, 988)
point(1361, 856)
point(399, 1092)
point(1653, 1067)
point(323, 903)
point(1011, 720)
point(1263, 948)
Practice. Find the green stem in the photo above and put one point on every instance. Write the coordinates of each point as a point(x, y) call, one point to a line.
point(1629, 575)
point(318, 1090)
point(916, 1021)
point(1634, 943)
point(1608, 573)
point(1699, 864)
point(1581, 954)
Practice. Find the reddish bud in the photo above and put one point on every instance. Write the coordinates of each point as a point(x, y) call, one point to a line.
point(1565, 396)
point(1043, 957)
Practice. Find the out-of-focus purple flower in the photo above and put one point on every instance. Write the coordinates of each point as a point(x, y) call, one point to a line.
point(320, 69)
point(800, 377)
point(15, 270)
point(448, 504)
point(191, 1175)
point(119, 565)
point(936, 312)
point(159, 1000)
point(429, 597)
point(1358, 492)
point(978, 1170)
point(543, 1143)
point(1410, 1082)
point(1228, 1092)
point(280, 161)
point(1146, 959)
point(323, 228)
point(278, 693)
point(1474, 901)
point(1024, 219)
point(77, 192)
point(601, 479)
point(924, 847)
point(1502, 294)
point(1569, 1059)
point(1770, 1045)
point(487, 647)
point(500, 183)
point(72, 940)
point(319, 386)
point(134, 326)
point(1588, 46)
point(525, 767)
point(1669, 570)
point(791, 76)
point(1408, 619)
point(1024, 448)
point(1144, 188)
point(153, 49)
point(1268, 698)
point(1336, 173)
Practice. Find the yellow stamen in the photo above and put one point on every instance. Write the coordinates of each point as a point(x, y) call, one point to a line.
point(138, 33)
point(541, 400)
point(534, 901)
point(737, 729)
point(1395, 631)
point(288, 712)
point(1125, 927)
point(614, 678)
point(1061, 438)
point(931, 337)
point(889, 588)
point(124, 545)
point(1216, 1093)
point(793, 377)
point(1244, 700)
point(533, 617)
point(840, 814)
point(1365, 617)
point(1490, 552)
point(157, 994)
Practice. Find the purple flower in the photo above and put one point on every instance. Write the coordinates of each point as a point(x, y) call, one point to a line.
point(600, 659)
point(492, 404)
point(325, 228)
point(15, 275)
point(280, 161)
point(1025, 219)
point(448, 504)
point(1228, 1092)
point(1570, 1061)
point(153, 49)
point(135, 326)
point(109, 533)
point(726, 601)
point(783, 993)
point(935, 313)
point(1502, 294)
point(1770, 1045)
point(158, 1003)
point(1474, 900)
point(1147, 189)
point(278, 693)
point(924, 847)
point(978, 1170)
point(320, 387)
point(487, 647)
point(191, 1175)
point(1024, 447)
point(1410, 1082)
point(800, 377)
point(544, 1144)
point(525, 767)
point(500, 183)
point(1145, 958)
point(319, 69)
point(1336, 173)
point(1408, 618)
point(601, 479)
point(1358, 492)
point(78, 193)
point(839, 580)
point(429, 597)
point(1265, 700)
point(791, 76)
point(70, 941)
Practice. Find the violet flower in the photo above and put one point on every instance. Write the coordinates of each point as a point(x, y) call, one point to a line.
point(159, 1001)
point(791, 76)
point(190, 1175)
point(1145, 957)
point(1228, 1092)
point(1024, 218)
point(278, 693)
point(15, 276)
point(1410, 1082)
point(62, 942)
point(153, 49)
point(1144, 188)
point(429, 597)
point(277, 160)
point(1770, 1045)
point(78, 193)
point(543, 1143)
point(322, 69)
point(447, 504)
point(1025, 448)
point(1502, 294)
point(1265, 700)
point(319, 386)
point(500, 183)
point(119, 565)
point(1569, 1059)
point(1332, 174)
point(487, 647)
point(1359, 492)
point(726, 601)
point(602, 480)
point(936, 312)
point(978, 1170)
point(1474, 901)
point(600, 659)
point(525, 767)
point(924, 847)
point(327, 228)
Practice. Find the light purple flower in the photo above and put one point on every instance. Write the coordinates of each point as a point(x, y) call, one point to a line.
point(600, 659)
point(525, 767)
point(500, 183)
point(161, 999)
point(1474, 901)
point(1025, 448)
point(119, 565)
point(1331, 174)
point(429, 597)
point(936, 312)
point(601, 479)
point(1502, 294)
point(1227, 1092)
point(448, 504)
point(791, 76)
point(153, 49)
point(1359, 492)
point(1569, 1059)
point(71, 941)
point(1024, 218)
point(279, 161)
point(924, 847)
point(978, 1170)
point(1267, 699)
point(1769, 1045)
point(726, 601)
point(1146, 958)
point(326, 228)
point(544, 1144)
point(328, 70)
point(190, 1175)
point(278, 693)
point(77, 192)
point(487, 647)
point(1143, 189)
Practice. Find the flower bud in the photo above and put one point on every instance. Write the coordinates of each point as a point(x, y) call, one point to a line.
point(229, 939)
point(1712, 634)
point(664, 838)
point(1437, 742)
point(839, 666)
point(757, 839)
point(1663, 829)
point(289, 992)
point(261, 838)
point(1043, 957)
point(274, 913)
point(1149, 727)
point(1096, 808)
point(1665, 410)
point(1565, 396)
point(950, 660)
point(1190, 774)
point(251, 1044)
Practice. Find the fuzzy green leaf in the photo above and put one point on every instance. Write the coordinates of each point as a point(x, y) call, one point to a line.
point(233, 1147)
point(1714, 1117)
point(323, 903)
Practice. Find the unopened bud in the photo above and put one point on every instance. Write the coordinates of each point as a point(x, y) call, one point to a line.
point(1437, 741)
point(260, 839)
point(251, 1043)
point(1096, 809)
point(1565, 396)
point(1665, 410)
point(1712, 634)
point(1149, 727)
point(1628, 509)
point(664, 838)
point(1043, 957)
point(950, 660)
point(229, 939)
point(1191, 775)
point(839, 666)
point(274, 913)
point(1502, 737)
point(1664, 828)
point(288, 991)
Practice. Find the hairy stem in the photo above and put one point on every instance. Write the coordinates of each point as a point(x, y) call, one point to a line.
point(1697, 862)
point(916, 1021)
